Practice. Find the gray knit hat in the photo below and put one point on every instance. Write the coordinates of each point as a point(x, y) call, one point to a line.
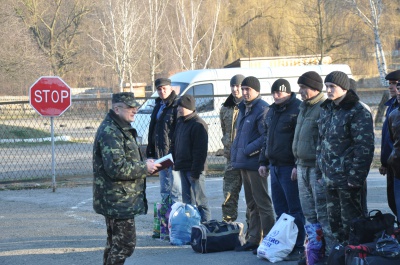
point(187, 101)
point(338, 78)
point(312, 80)
point(252, 82)
point(236, 80)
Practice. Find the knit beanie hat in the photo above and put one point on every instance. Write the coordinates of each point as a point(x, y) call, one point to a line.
point(187, 101)
point(281, 85)
point(236, 80)
point(252, 82)
point(395, 75)
point(338, 78)
point(312, 80)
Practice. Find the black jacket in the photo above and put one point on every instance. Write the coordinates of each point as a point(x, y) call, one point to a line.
point(162, 130)
point(190, 144)
point(280, 124)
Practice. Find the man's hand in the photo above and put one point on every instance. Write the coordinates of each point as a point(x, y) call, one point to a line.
point(263, 171)
point(151, 166)
point(293, 177)
point(382, 170)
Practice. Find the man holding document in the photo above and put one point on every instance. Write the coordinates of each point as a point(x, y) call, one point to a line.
point(190, 145)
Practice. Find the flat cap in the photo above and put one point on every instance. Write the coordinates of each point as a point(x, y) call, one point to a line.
point(162, 82)
point(395, 75)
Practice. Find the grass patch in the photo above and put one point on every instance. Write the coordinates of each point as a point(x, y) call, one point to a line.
point(19, 132)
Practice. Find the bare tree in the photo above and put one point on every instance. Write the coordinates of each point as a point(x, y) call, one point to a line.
point(375, 9)
point(156, 12)
point(121, 39)
point(54, 25)
point(191, 30)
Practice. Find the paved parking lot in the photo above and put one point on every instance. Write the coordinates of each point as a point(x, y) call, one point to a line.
point(39, 226)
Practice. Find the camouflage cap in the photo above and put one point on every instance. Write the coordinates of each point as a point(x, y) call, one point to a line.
point(125, 97)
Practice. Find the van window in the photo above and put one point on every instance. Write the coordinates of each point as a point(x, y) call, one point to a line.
point(205, 94)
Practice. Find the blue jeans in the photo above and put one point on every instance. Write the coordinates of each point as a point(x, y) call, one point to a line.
point(194, 193)
point(170, 185)
point(285, 197)
point(397, 195)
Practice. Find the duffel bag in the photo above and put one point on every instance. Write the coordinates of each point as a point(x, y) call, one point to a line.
point(365, 230)
point(378, 260)
point(215, 236)
point(359, 252)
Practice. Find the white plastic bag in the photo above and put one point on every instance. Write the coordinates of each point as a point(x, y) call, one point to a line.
point(280, 240)
point(181, 219)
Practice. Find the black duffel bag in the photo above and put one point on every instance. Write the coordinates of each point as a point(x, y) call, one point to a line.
point(366, 230)
point(215, 236)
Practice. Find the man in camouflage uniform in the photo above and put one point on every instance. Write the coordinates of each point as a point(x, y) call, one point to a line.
point(312, 194)
point(119, 178)
point(232, 179)
point(344, 152)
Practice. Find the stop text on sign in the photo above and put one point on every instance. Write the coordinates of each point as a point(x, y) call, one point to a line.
point(54, 96)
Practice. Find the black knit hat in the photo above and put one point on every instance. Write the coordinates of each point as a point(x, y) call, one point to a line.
point(338, 78)
point(236, 80)
point(252, 82)
point(162, 82)
point(187, 101)
point(312, 80)
point(281, 85)
point(395, 75)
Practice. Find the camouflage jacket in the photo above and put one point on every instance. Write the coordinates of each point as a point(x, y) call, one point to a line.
point(119, 173)
point(228, 117)
point(345, 142)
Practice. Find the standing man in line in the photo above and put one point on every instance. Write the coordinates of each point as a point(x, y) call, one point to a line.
point(190, 145)
point(232, 183)
point(387, 144)
point(161, 130)
point(119, 184)
point(394, 158)
point(344, 153)
point(244, 156)
point(277, 157)
point(312, 194)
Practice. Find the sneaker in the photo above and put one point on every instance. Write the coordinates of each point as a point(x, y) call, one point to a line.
point(295, 255)
point(247, 247)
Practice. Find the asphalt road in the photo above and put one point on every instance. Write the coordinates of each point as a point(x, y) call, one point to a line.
point(39, 226)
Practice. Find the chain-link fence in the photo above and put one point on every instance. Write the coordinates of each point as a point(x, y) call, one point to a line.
point(25, 143)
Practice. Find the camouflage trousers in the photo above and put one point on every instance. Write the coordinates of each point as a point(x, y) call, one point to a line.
point(313, 202)
point(121, 240)
point(232, 185)
point(343, 206)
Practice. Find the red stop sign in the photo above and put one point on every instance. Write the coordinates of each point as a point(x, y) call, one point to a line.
point(50, 96)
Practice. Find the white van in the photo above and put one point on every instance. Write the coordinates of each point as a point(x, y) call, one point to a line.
point(211, 87)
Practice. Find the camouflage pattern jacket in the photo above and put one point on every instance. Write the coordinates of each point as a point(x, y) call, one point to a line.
point(228, 117)
point(119, 173)
point(345, 142)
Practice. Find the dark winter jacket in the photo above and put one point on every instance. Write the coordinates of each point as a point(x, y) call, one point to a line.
point(190, 144)
point(119, 173)
point(345, 142)
point(387, 143)
point(280, 125)
point(394, 129)
point(249, 136)
point(162, 130)
point(306, 133)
